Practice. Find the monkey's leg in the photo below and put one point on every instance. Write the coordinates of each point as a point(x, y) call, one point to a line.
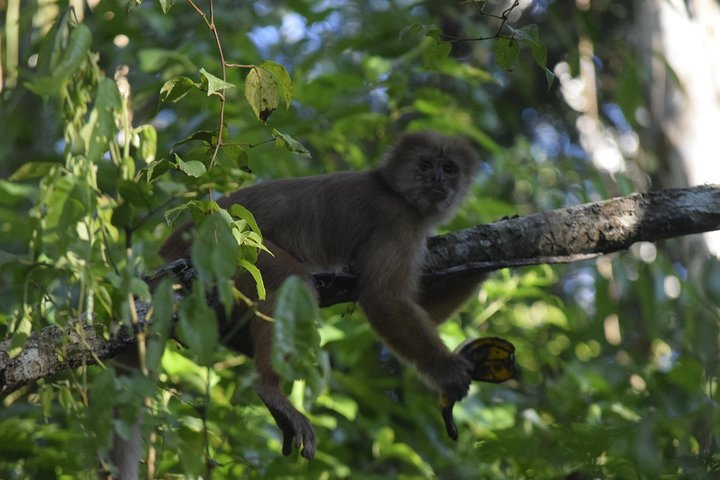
point(442, 298)
point(295, 427)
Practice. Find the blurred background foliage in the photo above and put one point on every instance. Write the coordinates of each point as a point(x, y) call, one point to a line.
point(618, 357)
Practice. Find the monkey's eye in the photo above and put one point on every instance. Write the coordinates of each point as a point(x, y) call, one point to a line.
point(425, 165)
point(450, 168)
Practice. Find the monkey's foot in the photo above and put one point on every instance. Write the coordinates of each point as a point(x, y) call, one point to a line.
point(297, 431)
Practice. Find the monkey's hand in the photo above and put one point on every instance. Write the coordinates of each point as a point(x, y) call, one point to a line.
point(452, 377)
point(296, 428)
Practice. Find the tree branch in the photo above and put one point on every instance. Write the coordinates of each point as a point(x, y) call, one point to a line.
point(559, 236)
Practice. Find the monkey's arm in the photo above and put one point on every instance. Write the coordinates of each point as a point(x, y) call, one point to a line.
point(386, 295)
point(409, 332)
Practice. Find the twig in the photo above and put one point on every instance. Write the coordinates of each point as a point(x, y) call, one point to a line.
point(211, 25)
point(503, 17)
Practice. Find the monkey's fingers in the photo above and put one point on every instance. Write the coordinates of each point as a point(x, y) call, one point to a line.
point(308, 444)
point(288, 436)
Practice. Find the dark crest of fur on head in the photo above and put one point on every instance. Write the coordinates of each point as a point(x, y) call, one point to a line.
point(432, 172)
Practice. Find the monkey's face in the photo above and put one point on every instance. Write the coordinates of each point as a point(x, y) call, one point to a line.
point(432, 172)
point(437, 177)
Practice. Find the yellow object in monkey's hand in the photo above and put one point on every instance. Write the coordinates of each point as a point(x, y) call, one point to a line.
point(493, 360)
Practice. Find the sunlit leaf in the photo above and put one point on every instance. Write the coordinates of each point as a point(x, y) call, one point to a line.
point(193, 168)
point(214, 84)
point(147, 142)
point(261, 92)
point(166, 5)
point(282, 78)
point(257, 276)
point(176, 88)
point(101, 127)
point(31, 170)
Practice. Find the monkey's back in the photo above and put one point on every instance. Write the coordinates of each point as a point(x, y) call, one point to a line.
point(325, 220)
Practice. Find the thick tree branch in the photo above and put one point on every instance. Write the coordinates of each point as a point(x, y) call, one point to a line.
point(562, 235)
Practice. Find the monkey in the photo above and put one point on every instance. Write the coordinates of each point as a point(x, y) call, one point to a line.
point(378, 221)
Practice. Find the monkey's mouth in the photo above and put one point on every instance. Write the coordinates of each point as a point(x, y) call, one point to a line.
point(437, 193)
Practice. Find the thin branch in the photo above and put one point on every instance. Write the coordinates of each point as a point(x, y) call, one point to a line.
point(211, 25)
point(503, 17)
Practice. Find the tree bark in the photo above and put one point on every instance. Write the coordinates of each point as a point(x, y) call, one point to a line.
point(677, 41)
point(558, 236)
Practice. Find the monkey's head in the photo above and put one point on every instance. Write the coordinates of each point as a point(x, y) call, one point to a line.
point(432, 172)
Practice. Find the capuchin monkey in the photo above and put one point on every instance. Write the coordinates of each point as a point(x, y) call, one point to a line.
point(378, 221)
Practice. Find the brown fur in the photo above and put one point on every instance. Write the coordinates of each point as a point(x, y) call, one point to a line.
point(379, 221)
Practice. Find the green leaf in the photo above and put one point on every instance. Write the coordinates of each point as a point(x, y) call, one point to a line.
point(173, 213)
point(192, 168)
point(197, 325)
point(21, 333)
point(206, 136)
point(136, 193)
point(296, 341)
point(435, 52)
point(530, 34)
point(68, 202)
point(146, 143)
point(122, 215)
point(282, 78)
point(286, 141)
point(261, 92)
point(166, 5)
point(214, 250)
point(31, 170)
point(176, 88)
point(53, 47)
point(507, 52)
point(418, 29)
point(238, 211)
point(13, 193)
point(257, 276)
point(101, 127)
point(155, 170)
point(60, 70)
point(214, 84)
point(232, 157)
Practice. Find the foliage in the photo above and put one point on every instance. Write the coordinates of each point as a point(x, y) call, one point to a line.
point(120, 122)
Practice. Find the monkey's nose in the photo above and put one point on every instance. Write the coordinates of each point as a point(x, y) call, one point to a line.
point(438, 176)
